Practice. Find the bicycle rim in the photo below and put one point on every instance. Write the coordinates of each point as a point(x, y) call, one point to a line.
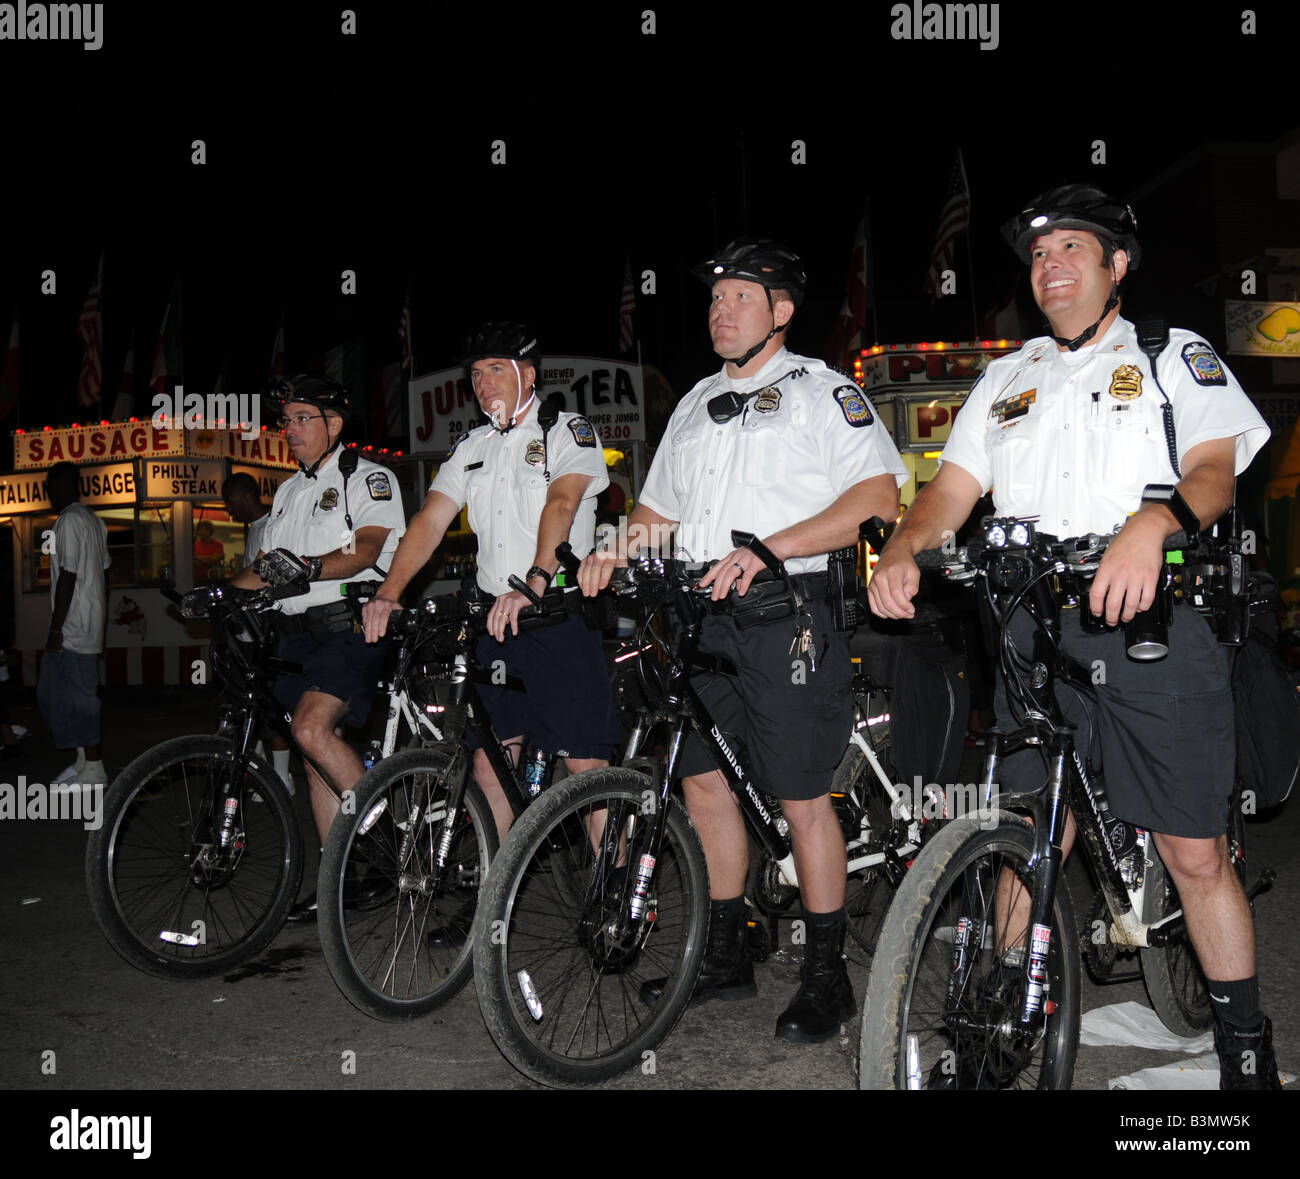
point(398, 891)
point(573, 989)
point(955, 1012)
point(170, 898)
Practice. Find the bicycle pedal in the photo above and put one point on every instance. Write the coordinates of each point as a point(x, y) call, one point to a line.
point(1266, 880)
point(758, 942)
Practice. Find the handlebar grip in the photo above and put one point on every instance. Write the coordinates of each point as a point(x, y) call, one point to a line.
point(291, 589)
point(928, 560)
point(565, 555)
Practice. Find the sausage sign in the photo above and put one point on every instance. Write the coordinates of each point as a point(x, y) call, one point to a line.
point(608, 393)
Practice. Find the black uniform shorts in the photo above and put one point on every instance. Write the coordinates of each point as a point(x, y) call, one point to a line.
point(1161, 732)
point(788, 724)
point(342, 665)
point(566, 706)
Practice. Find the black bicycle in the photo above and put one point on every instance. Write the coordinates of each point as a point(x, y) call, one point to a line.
point(592, 923)
point(199, 856)
point(402, 867)
point(976, 982)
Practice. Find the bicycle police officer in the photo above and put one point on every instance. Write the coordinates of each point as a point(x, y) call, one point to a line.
point(531, 481)
point(1072, 429)
point(336, 518)
point(786, 448)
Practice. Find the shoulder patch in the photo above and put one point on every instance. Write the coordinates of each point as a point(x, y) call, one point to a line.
point(455, 442)
point(1205, 367)
point(582, 432)
point(378, 485)
point(853, 405)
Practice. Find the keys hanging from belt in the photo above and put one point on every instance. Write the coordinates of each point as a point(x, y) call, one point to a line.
point(803, 639)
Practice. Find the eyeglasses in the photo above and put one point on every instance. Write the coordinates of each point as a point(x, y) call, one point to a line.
point(300, 420)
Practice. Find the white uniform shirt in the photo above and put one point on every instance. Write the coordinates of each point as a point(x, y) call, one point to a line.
point(1074, 437)
point(81, 547)
point(500, 477)
point(797, 446)
point(253, 544)
point(308, 519)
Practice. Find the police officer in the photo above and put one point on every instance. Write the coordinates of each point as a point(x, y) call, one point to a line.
point(781, 446)
point(336, 519)
point(530, 482)
point(1072, 429)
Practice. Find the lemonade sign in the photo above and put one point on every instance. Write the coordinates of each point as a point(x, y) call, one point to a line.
point(1263, 329)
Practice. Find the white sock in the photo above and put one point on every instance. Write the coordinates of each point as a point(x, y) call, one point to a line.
point(281, 759)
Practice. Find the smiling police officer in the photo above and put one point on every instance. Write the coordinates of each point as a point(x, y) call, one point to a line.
point(1072, 429)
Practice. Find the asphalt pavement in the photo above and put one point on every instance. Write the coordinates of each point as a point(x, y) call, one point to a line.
point(74, 1016)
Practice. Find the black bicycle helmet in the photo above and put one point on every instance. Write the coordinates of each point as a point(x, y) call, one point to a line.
point(1074, 206)
point(321, 392)
point(504, 340)
point(760, 260)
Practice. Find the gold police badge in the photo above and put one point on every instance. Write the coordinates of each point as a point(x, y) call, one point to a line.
point(1126, 382)
point(769, 400)
point(330, 500)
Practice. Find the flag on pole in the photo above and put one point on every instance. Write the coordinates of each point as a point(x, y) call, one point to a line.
point(167, 352)
point(404, 334)
point(954, 220)
point(9, 376)
point(1003, 321)
point(90, 327)
point(277, 353)
point(124, 405)
point(845, 337)
point(626, 309)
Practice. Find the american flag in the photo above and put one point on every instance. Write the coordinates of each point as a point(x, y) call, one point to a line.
point(626, 309)
point(404, 333)
point(167, 351)
point(853, 314)
point(90, 327)
point(954, 220)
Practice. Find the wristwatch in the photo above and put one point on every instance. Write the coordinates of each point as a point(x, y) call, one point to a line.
point(1171, 497)
point(315, 564)
point(538, 571)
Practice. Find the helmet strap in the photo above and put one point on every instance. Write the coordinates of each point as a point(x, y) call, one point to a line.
point(519, 409)
point(757, 348)
point(310, 472)
point(1084, 336)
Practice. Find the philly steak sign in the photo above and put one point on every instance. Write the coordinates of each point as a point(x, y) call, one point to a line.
point(607, 392)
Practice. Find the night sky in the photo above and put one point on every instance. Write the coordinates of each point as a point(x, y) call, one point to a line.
point(372, 152)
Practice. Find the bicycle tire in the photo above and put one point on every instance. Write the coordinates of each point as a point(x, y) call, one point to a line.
point(560, 986)
point(1172, 973)
point(407, 949)
point(866, 813)
point(154, 887)
point(908, 1004)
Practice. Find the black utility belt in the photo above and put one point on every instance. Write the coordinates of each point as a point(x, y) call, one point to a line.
point(329, 619)
point(768, 600)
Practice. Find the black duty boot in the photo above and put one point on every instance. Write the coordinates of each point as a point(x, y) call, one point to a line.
point(825, 996)
point(1246, 1059)
point(727, 972)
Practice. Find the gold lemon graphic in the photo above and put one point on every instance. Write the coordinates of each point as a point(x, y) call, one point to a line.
point(1280, 324)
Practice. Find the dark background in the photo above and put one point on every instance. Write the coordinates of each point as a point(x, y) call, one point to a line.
point(372, 153)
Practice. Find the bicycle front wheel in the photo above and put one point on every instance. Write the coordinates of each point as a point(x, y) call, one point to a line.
point(398, 887)
point(576, 981)
point(179, 891)
point(949, 975)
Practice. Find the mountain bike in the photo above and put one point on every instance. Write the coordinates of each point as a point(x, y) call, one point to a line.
point(402, 867)
point(976, 981)
point(200, 854)
point(590, 934)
